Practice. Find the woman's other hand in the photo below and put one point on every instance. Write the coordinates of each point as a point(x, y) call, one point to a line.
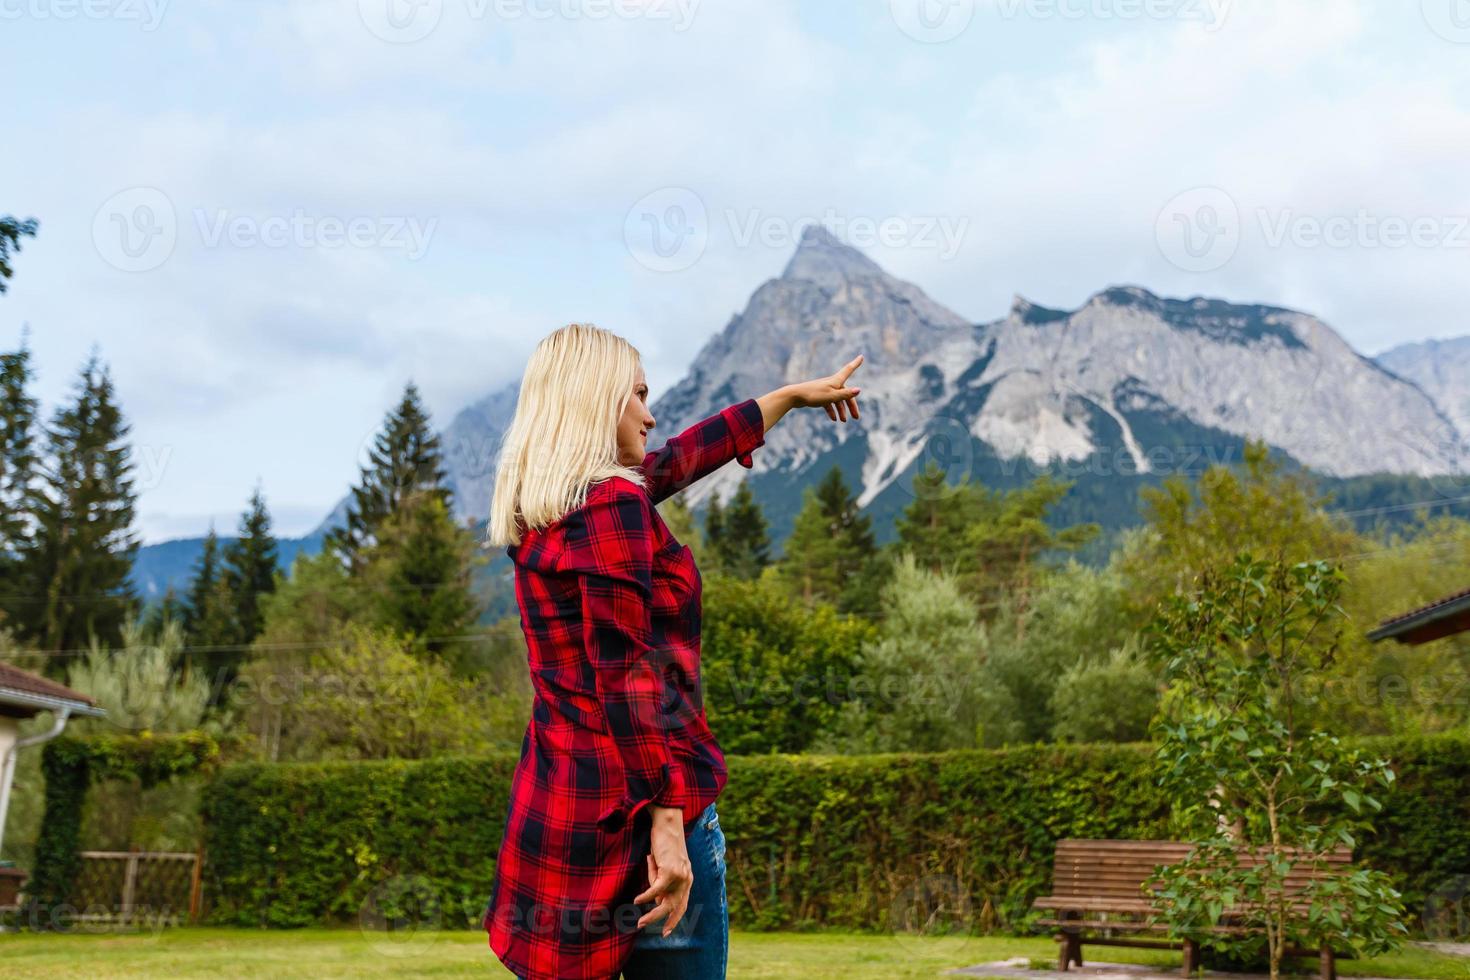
point(670, 875)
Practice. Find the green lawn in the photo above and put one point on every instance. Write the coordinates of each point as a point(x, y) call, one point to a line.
point(179, 954)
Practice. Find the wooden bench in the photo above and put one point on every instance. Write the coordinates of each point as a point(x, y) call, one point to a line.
point(1099, 885)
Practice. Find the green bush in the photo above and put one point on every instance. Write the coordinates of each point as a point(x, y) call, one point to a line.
point(814, 841)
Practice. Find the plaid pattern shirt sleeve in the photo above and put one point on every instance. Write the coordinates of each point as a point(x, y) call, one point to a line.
point(610, 546)
point(733, 433)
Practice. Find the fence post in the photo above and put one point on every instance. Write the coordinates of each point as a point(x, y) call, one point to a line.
point(196, 890)
point(130, 882)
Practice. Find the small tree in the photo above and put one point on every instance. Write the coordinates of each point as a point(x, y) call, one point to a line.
point(920, 683)
point(1264, 797)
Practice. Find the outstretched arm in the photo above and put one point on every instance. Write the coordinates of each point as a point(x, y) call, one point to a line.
point(735, 432)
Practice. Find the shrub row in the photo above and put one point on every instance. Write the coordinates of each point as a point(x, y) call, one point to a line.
point(813, 841)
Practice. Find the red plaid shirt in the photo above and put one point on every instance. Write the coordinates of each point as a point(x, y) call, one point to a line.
point(610, 607)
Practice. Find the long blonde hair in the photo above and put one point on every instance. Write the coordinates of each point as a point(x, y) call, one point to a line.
point(564, 434)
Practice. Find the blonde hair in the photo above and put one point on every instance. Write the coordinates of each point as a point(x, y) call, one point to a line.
point(564, 434)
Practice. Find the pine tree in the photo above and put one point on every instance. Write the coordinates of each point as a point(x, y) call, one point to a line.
point(714, 533)
point(1013, 537)
point(745, 545)
point(11, 232)
point(830, 556)
point(212, 633)
point(78, 562)
point(251, 565)
point(171, 608)
point(18, 470)
point(201, 585)
point(420, 571)
point(932, 526)
point(406, 458)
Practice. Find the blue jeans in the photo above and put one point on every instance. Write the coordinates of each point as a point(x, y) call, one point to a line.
point(699, 946)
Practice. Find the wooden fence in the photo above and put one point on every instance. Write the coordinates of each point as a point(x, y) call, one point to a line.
point(128, 887)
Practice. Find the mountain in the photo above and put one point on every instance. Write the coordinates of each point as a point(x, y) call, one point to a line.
point(1127, 383)
point(1441, 368)
point(1116, 394)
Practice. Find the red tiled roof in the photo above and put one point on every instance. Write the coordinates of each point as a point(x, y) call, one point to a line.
point(23, 680)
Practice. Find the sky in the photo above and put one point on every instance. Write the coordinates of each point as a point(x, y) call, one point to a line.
point(269, 216)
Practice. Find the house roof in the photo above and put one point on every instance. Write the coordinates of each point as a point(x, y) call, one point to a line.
point(32, 692)
point(1440, 618)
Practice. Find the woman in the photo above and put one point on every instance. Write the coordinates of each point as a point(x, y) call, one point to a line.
point(613, 859)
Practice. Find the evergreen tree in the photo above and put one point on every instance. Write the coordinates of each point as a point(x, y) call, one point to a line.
point(167, 613)
point(714, 533)
point(419, 572)
point(830, 554)
point(406, 458)
point(1011, 537)
point(201, 586)
point(251, 566)
point(211, 631)
point(932, 527)
point(11, 232)
point(18, 468)
point(76, 565)
point(995, 542)
point(744, 546)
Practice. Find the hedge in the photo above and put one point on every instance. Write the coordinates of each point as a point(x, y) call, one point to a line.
point(813, 841)
point(71, 764)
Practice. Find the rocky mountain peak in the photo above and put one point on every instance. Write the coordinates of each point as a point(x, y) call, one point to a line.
point(823, 258)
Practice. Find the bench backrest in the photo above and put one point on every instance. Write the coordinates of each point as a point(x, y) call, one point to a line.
point(1118, 868)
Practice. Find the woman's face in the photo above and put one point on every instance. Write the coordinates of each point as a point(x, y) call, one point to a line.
point(634, 425)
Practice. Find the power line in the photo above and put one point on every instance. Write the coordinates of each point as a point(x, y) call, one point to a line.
point(236, 647)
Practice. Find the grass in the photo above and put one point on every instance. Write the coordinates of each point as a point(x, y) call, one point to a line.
point(180, 954)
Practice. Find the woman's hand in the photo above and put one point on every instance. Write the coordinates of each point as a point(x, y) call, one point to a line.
point(670, 875)
point(830, 393)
